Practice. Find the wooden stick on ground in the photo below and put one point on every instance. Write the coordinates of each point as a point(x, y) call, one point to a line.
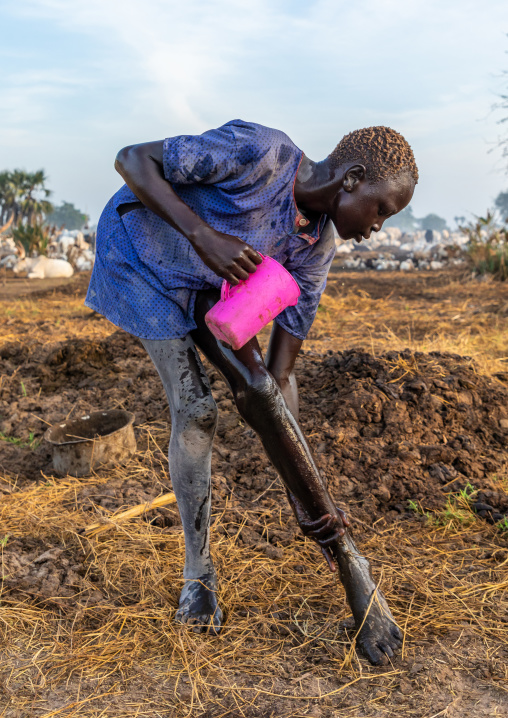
point(111, 521)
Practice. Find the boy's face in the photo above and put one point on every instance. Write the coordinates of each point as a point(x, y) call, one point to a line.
point(361, 207)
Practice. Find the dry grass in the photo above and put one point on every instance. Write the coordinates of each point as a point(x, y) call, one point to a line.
point(462, 317)
point(285, 649)
point(286, 641)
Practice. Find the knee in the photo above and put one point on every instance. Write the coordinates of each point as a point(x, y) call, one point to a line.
point(196, 424)
point(259, 395)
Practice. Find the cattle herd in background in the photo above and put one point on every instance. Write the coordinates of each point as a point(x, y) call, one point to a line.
point(67, 252)
point(391, 249)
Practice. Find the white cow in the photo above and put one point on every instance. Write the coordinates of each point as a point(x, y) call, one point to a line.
point(67, 239)
point(65, 242)
point(42, 267)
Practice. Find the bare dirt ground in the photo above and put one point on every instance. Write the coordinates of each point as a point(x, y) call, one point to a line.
point(12, 287)
point(404, 393)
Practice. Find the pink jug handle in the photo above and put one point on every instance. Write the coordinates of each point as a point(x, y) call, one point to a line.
point(226, 286)
point(224, 290)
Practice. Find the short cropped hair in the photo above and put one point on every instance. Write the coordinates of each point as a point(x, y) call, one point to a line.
point(383, 151)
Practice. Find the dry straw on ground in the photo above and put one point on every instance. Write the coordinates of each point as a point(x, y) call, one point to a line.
point(286, 641)
point(87, 623)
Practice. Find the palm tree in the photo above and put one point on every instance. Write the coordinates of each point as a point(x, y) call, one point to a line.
point(24, 203)
point(7, 198)
point(34, 203)
point(24, 196)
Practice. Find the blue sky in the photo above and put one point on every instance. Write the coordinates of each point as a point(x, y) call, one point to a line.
point(79, 79)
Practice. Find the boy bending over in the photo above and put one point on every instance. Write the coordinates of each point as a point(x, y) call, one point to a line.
point(196, 210)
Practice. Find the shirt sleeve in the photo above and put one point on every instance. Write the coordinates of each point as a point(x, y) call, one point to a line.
point(208, 158)
point(309, 267)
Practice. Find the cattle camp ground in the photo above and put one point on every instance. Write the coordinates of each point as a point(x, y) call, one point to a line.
point(404, 391)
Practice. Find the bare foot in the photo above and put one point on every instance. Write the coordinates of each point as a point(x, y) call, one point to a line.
point(198, 607)
point(379, 636)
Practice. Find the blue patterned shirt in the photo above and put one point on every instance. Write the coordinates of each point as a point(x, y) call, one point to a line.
point(239, 179)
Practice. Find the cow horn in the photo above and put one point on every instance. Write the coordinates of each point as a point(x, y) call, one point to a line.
point(7, 224)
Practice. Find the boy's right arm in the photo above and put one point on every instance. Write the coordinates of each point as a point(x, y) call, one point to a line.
point(141, 167)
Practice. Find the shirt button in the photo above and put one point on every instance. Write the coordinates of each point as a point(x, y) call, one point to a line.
point(303, 222)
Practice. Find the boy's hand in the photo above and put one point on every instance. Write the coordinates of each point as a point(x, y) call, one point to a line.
point(141, 166)
point(323, 531)
point(229, 257)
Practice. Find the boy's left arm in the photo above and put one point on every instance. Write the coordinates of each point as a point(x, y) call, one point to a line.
point(280, 362)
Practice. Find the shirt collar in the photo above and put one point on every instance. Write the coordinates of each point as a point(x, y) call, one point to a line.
point(299, 219)
point(316, 232)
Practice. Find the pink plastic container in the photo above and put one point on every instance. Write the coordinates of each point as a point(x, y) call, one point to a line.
point(249, 306)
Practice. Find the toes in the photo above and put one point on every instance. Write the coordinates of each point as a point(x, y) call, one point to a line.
point(380, 640)
point(215, 622)
point(184, 618)
point(208, 624)
point(378, 653)
point(180, 616)
point(215, 626)
point(386, 648)
point(201, 623)
point(397, 634)
point(374, 654)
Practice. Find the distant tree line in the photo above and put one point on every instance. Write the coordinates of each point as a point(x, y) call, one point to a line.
point(407, 222)
point(68, 216)
point(501, 205)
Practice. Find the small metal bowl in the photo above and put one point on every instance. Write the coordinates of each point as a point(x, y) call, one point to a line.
point(100, 439)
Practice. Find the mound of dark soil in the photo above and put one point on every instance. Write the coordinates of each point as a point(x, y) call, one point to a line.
point(405, 426)
point(384, 430)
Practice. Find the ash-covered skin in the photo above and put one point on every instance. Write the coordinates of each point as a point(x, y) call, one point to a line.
point(379, 636)
point(260, 402)
point(198, 607)
point(262, 405)
point(181, 219)
point(194, 420)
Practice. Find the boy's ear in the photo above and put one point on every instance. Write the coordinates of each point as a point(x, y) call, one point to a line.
point(353, 176)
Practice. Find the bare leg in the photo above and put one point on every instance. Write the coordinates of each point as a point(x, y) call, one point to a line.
point(193, 422)
point(261, 404)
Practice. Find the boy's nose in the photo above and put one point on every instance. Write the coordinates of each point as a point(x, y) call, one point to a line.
point(375, 228)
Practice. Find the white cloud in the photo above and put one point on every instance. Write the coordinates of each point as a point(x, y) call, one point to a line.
point(179, 49)
point(30, 96)
point(315, 69)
